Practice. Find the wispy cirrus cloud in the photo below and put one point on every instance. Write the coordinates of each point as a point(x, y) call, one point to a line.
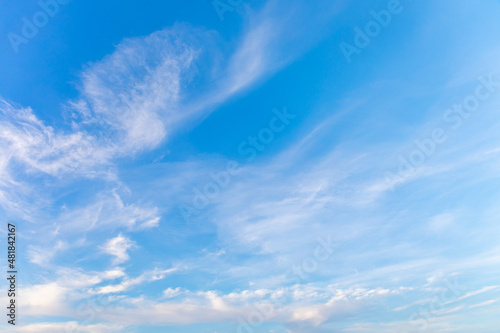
point(147, 89)
point(397, 242)
point(127, 283)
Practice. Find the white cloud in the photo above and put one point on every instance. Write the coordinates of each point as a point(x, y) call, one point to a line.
point(128, 283)
point(55, 297)
point(486, 303)
point(108, 211)
point(118, 248)
point(136, 97)
point(41, 148)
point(212, 306)
point(148, 88)
point(45, 298)
point(133, 93)
point(71, 326)
point(30, 149)
point(43, 255)
point(267, 45)
point(170, 293)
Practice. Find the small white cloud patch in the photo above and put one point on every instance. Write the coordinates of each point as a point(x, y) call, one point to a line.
point(118, 247)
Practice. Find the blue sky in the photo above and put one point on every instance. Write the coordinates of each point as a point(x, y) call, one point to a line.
point(252, 166)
